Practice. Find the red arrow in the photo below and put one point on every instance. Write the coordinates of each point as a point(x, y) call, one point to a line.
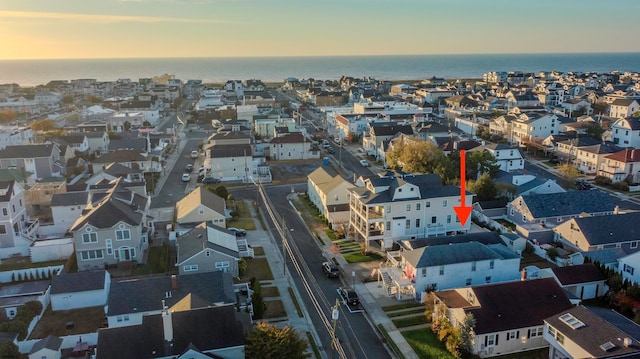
point(462, 211)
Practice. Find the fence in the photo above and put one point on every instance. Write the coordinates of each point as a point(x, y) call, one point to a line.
point(18, 275)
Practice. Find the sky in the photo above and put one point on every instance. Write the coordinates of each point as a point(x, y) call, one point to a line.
point(60, 29)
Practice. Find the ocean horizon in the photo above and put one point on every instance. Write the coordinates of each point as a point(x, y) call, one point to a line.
point(276, 69)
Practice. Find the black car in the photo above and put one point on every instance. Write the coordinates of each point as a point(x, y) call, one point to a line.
point(349, 296)
point(330, 270)
point(188, 168)
point(238, 232)
point(210, 180)
point(331, 150)
point(583, 185)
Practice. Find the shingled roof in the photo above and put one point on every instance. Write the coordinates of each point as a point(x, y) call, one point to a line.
point(197, 240)
point(570, 203)
point(27, 151)
point(78, 282)
point(601, 230)
point(582, 273)
point(453, 253)
point(197, 197)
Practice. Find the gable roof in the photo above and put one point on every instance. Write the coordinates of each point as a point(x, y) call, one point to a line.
point(27, 151)
point(128, 144)
point(197, 240)
point(224, 151)
point(121, 156)
point(319, 176)
point(582, 273)
point(70, 199)
point(206, 329)
point(429, 186)
point(197, 197)
point(486, 238)
point(453, 253)
point(146, 294)
point(390, 129)
point(567, 203)
point(49, 342)
point(78, 282)
point(293, 137)
point(627, 155)
point(600, 230)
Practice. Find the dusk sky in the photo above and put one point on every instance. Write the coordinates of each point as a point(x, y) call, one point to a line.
point(39, 29)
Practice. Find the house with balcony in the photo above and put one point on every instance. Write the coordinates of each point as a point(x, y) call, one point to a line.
point(115, 227)
point(396, 205)
point(536, 126)
point(625, 132)
point(589, 158)
point(509, 316)
point(621, 166)
point(228, 156)
point(591, 332)
point(330, 194)
point(381, 132)
point(17, 231)
point(41, 160)
point(589, 233)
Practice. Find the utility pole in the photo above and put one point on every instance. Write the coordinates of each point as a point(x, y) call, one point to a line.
point(335, 314)
point(284, 247)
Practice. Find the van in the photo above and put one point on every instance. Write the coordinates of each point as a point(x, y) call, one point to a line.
point(194, 154)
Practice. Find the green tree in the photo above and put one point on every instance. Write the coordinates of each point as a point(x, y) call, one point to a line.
point(595, 130)
point(8, 350)
point(146, 123)
point(568, 172)
point(479, 162)
point(484, 188)
point(418, 157)
point(268, 341)
point(257, 300)
point(68, 99)
point(466, 333)
point(219, 190)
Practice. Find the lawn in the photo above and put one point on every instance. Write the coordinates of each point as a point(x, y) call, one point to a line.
point(391, 308)
point(259, 251)
point(420, 310)
point(9, 264)
point(85, 320)
point(275, 309)
point(259, 269)
point(410, 321)
point(426, 344)
point(157, 262)
point(245, 220)
point(270, 292)
point(529, 259)
point(358, 258)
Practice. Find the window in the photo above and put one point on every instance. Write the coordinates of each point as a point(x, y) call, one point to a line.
point(535, 332)
point(3, 229)
point(490, 340)
point(407, 224)
point(441, 270)
point(448, 218)
point(223, 266)
point(444, 203)
point(424, 272)
point(560, 338)
point(417, 206)
point(4, 212)
point(90, 237)
point(627, 268)
point(428, 204)
point(388, 226)
point(487, 279)
point(491, 264)
point(633, 245)
point(468, 281)
point(190, 268)
point(388, 209)
point(473, 266)
point(408, 207)
point(434, 219)
point(123, 235)
point(109, 247)
point(91, 255)
point(512, 335)
point(417, 222)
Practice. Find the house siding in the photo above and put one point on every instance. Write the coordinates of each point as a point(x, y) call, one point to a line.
point(137, 242)
point(208, 263)
point(207, 215)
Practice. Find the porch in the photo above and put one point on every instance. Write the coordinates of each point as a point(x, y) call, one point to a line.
point(396, 283)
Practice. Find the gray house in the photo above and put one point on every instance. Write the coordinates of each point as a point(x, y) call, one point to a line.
point(114, 228)
point(41, 160)
point(206, 249)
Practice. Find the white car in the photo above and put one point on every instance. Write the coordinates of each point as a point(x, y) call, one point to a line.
point(194, 154)
point(186, 177)
point(364, 163)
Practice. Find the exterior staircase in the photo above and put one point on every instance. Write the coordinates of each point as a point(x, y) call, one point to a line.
point(388, 284)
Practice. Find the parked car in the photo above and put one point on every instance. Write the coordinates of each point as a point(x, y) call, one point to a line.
point(210, 180)
point(583, 185)
point(331, 150)
point(349, 296)
point(188, 168)
point(238, 231)
point(194, 154)
point(364, 163)
point(186, 177)
point(201, 170)
point(330, 269)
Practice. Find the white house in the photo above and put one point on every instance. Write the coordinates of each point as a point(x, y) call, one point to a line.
point(508, 158)
point(535, 127)
point(80, 290)
point(584, 281)
point(623, 107)
point(46, 348)
point(66, 208)
point(622, 166)
point(625, 132)
point(630, 267)
point(330, 194)
point(199, 206)
point(292, 146)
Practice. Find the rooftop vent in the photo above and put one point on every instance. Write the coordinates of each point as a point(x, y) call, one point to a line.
point(607, 346)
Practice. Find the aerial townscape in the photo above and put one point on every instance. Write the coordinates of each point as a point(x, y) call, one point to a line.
point(171, 218)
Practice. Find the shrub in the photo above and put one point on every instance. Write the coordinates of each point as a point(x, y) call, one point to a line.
point(622, 186)
point(602, 180)
point(552, 253)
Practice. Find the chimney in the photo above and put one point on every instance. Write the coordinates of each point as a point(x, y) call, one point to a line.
point(627, 342)
point(524, 274)
point(167, 323)
point(455, 145)
point(616, 210)
point(174, 282)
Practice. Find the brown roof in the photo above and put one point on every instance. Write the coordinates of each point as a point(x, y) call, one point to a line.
point(200, 196)
point(453, 299)
point(582, 273)
point(626, 155)
point(293, 137)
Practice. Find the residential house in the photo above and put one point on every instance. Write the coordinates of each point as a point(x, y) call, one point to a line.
point(97, 141)
point(17, 231)
point(208, 332)
point(621, 166)
point(41, 160)
point(509, 317)
point(625, 132)
point(566, 147)
point(522, 184)
point(76, 142)
point(379, 132)
point(330, 194)
point(453, 265)
point(130, 300)
point(582, 281)
point(80, 290)
point(208, 248)
point(199, 206)
point(265, 127)
point(139, 144)
point(13, 296)
point(66, 208)
point(46, 348)
point(574, 106)
point(134, 159)
point(588, 233)
point(534, 127)
point(508, 158)
point(623, 107)
point(398, 205)
point(228, 156)
point(292, 146)
point(349, 125)
point(114, 170)
point(114, 228)
point(429, 131)
point(582, 332)
point(629, 266)
point(589, 158)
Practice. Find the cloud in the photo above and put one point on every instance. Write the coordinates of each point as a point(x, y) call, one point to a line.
point(93, 18)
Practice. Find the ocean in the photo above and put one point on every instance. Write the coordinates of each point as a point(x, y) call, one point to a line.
point(276, 69)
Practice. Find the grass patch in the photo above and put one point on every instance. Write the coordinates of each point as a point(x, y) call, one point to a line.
point(426, 345)
point(259, 251)
point(259, 269)
point(410, 321)
point(390, 308)
point(295, 302)
point(359, 258)
point(542, 353)
point(259, 214)
point(85, 320)
point(331, 234)
point(270, 292)
point(244, 220)
point(406, 312)
point(25, 263)
point(314, 346)
point(510, 226)
point(529, 259)
point(275, 309)
point(389, 341)
point(157, 261)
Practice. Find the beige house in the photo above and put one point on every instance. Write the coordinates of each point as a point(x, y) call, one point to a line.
point(201, 206)
point(621, 166)
point(207, 249)
point(330, 195)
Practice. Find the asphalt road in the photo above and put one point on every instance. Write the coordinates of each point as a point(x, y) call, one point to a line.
point(174, 188)
point(358, 338)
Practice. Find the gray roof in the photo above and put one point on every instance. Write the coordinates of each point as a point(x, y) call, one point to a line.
point(223, 151)
point(453, 253)
point(130, 144)
point(601, 230)
point(24, 289)
point(146, 294)
point(429, 186)
point(570, 203)
point(121, 156)
point(486, 238)
point(27, 151)
point(78, 282)
point(606, 256)
point(196, 241)
point(390, 129)
point(50, 342)
point(70, 199)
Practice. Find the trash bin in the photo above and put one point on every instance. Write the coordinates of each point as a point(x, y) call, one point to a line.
point(325, 161)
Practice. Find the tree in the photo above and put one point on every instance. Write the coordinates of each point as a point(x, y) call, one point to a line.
point(68, 99)
point(219, 190)
point(268, 341)
point(466, 333)
point(9, 350)
point(7, 115)
point(595, 130)
point(257, 300)
point(484, 188)
point(479, 162)
point(146, 123)
point(418, 157)
point(568, 172)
